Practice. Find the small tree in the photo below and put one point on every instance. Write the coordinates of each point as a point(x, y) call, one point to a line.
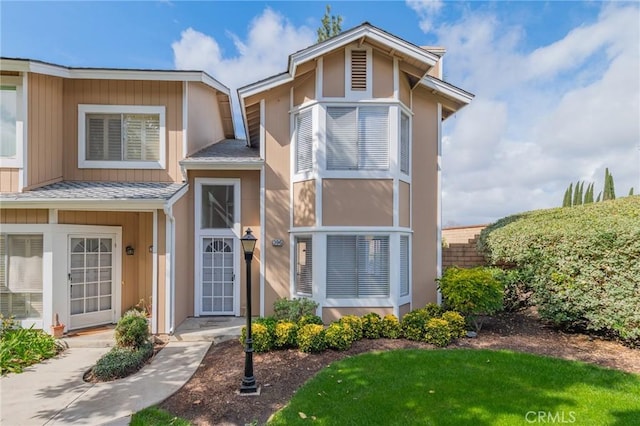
point(331, 25)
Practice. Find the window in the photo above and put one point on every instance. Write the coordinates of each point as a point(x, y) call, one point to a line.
point(358, 138)
point(404, 265)
point(304, 142)
point(304, 266)
point(21, 276)
point(404, 143)
point(9, 115)
point(217, 206)
point(357, 266)
point(112, 136)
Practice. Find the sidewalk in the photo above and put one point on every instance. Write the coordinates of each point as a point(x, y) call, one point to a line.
point(53, 392)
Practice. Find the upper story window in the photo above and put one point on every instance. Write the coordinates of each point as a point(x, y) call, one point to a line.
point(405, 139)
point(358, 138)
point(121, 136)
point(10, 121)
point(304, 142)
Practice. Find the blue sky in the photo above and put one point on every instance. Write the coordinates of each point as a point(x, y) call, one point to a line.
point(557, 84)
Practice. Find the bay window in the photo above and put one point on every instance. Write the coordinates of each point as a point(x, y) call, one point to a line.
point(21, 275)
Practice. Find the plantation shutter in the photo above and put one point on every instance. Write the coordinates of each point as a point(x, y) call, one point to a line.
point(3, 263)
point(404, 265)
point(373, 266)
point(373, 138)
point(342, 138)
point(142, 137)
point(404, 143)
point(304, 266)
point(25, 263)
point(104, 137)
point(358, 70)
point(341, 266)
point(304, 142)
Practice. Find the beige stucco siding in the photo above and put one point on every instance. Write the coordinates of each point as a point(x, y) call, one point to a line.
point(304, 88)
point(424, 207)
point(123, 92)
point(44, 135)
point(204, 122)
point(304, 203)
point(404, 204)
point(404, 309)
point(382, 75)
point(333, 314)
point(405, 89)
point(277, 188)
point(134, 267)
point(9, 180)
point(24, 216)
point(183, 260)
point(357, 202)
point(333, 74)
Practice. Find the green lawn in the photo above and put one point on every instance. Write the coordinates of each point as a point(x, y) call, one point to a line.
point(459, 387)
point(154, 416)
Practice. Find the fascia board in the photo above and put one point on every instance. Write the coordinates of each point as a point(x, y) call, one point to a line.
point(211, 165)
point(95, 204)
point(264, 85)
point(447, 90)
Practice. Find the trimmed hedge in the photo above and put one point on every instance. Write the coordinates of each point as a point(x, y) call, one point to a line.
point(371, 325)
point(391, 327)
point(122, 361)
point(311, 338)
point(260, 335)
point(285, 335)
point(339, 336)
point(584, 263)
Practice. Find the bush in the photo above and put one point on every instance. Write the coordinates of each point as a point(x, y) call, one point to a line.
point(472, 292)
point(457, 324)
point(583, 262)
point(339, 336)
point(293, 310)
point(371, 325)
point(413, 324)
point(437, 332)
point(390, 327)
point(262, 340)
point(309, 319)
point(21, 347)
point(433, 310)
point(285, 335)
point(517, 288)
point(269, 322)
point(355, 323)
point(122, 361)
point(132, 330)
point(311, 338)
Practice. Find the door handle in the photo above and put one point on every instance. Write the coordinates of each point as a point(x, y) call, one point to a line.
point(69, 277)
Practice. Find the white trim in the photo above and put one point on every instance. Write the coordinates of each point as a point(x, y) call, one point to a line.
point(396, 79)
point(154, 275)
point(357, 95)
point(263, 129)
point(447, 90)
point(17, 162)
point(87, 204)
point(169, 262)
point(439, 205)
point(221, 165)
point(262, 238)
point(319, 77)
point(53, 216)
point(185, 120)
point(84, 109)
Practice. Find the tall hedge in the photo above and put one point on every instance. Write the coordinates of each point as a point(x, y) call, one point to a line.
point(585, 263)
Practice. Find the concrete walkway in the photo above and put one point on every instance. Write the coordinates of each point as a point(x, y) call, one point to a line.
point(53, 392)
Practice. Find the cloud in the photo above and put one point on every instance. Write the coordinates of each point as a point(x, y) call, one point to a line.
point(271, 38)
point(427, 10)
point(542, 117)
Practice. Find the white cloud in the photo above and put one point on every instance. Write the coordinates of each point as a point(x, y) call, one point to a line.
point(270, 40)
point(427, 10)
point(542, 118)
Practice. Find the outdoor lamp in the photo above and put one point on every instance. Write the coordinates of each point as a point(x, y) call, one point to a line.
point(249, 386)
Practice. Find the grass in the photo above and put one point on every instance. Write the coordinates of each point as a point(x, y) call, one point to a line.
point(453, 387)
point(154, 416)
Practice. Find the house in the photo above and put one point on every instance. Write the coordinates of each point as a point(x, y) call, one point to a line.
point(122, 185)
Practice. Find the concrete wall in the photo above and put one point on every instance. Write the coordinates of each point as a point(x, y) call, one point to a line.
point(460, 247)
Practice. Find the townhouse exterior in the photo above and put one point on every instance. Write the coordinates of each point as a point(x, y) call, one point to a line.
point(124, 185)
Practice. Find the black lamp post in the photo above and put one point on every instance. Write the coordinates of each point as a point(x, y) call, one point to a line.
point(249, 385)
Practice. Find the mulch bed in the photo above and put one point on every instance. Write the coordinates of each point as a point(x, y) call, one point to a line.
point(210, 397)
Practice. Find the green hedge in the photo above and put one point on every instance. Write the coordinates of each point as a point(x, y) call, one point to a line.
point(584, 263)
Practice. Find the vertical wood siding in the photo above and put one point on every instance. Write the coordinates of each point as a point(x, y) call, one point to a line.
point(15, 216)
point(9, 179)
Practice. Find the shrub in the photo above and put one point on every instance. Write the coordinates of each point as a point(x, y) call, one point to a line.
point(517, 288)
point(122, 361)
point(262, 340)
point(437, 332)
point(293, 310)
point(311, 338)
point(285, 335)
point(583, 263)
point(355, 323)
point(433, 310)
point(371, 325)
point(269, 323)
point(21, 347)
point(472, 292)
point(390, 327)
point(413, 323)
point(132, 330)
point(457, 324)
point(309, 319)
point(339, 336)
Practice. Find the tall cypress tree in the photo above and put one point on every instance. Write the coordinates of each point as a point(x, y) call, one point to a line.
point(566, 201)
point(631, 192)
point(588, 196)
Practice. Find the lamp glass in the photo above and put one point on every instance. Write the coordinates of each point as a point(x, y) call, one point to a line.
point(248, 242)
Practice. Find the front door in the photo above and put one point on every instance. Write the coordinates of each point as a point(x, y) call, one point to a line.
point(91, 280)
point(217, 247)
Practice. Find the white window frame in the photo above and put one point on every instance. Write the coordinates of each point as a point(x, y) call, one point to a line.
point(294, 264)
point(84, 109)
point(18, 83)
point(356, 95)
point(408, 116)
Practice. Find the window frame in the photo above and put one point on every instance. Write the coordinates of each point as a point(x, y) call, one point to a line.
point(84, 109)
point(298, 116)
point(407, 148)
point(16, 161)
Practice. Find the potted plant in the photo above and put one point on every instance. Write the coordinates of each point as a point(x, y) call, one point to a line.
point(57, 329)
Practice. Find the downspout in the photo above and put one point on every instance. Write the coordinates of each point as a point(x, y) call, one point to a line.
point(154, 276)
point(439, 205)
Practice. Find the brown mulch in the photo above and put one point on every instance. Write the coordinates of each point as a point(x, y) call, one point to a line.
point(210, 397)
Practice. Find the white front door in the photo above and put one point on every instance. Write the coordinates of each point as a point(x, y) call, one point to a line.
point(217, 250)
point(91, 280)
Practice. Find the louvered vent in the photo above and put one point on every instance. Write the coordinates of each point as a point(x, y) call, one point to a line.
point(358, 70)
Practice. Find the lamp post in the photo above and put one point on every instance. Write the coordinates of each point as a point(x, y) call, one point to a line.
point(249, 385)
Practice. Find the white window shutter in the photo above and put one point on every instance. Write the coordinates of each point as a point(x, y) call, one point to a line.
point(114, 138)
point(404, 143)
point(342, 138)
point(304, 265)
point(359, 70)
point(373, 266)
point(404, 265)
point(373, 138)
point(134, 137)
point(3, 263)
point(304, 142)
point(25, 263)
point(152, 138)
point(341, 266)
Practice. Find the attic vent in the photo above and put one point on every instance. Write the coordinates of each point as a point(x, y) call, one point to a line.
point(358, 70)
